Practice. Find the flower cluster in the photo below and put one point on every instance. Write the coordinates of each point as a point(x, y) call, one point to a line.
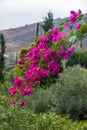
point(73, 19)
point(56, 35)
point(74, 16)
point(43, 61)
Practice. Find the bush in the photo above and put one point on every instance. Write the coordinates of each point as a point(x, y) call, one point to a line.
point(79, 57)
point(12, 119)
point(41, 101)
point(67, 96)
point(73, 60)
point(23, 51)
point(82, 58)
point(4, 87)
point(71, 93)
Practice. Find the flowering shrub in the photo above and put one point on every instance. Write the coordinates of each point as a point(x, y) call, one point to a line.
point(45, 59)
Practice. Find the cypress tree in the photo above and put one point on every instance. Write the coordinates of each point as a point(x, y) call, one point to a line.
point(2, 59)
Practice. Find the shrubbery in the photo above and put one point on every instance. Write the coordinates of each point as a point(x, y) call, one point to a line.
point(40, 67)
point(12, 119)
point(71, 93)
point(42, 64)
point(67, 96)
point(23, 51)
point(73, 60)
point(42, 100)
point(79, 57)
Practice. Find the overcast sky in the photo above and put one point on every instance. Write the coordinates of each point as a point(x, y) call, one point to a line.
point(15, 13)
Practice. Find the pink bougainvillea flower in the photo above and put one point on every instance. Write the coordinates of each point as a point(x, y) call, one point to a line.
point(43, 61)
point(21, 67)
point(20, 62)
point(43, 39)
point(24, 58)
point(42, 46)
point(66, 25)
point(76, 13)
point(17, 81)
point(37, 83)
point(74, 16)
point(79, 12)
point(54, 32)
point(12, 103)
point(13, 91)
point(72, 49)
point(22, 104)
point(73, 13)
point(78, 26)
point(21, 88)
point(62, 51)
point(45, 73)
point(61, 36)
point(58, 36)
point(28, 91)
point(56, 69)
point(73, 19)
point(69, 53)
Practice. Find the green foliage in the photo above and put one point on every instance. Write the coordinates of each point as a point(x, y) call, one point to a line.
point(41, 101)
point(26, 119)
point(18, 71)
point(82, 58)
point(79, 57)
point(71, 93)
point(9, 77)
point(67, 96)
point(80, 16)
point(4, 87)
point(73, 60)
point(23, 51)
point(75, 35)
point(2, 59)
point(48, 22)
point(12, 119)
point(83, 28)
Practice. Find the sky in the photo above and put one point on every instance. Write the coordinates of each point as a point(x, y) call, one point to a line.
point(16, 13)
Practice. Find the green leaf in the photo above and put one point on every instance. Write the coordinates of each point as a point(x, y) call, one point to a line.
point(79, 35)
point(57, 45)
point(60, 28)
point(83, 28)
point(48, 32)
point(71, 27)
point(80, 16)
point(62, 23)
point(67, 20)
point(52, 46)
point(81, 44)
point(72, 39)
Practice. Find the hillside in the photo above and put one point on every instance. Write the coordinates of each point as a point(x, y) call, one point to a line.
point(17, 38)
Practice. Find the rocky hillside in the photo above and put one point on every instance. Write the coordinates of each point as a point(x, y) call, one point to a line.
point(17, 38)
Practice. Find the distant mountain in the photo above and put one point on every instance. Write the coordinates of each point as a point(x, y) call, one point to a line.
point(20, 37)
